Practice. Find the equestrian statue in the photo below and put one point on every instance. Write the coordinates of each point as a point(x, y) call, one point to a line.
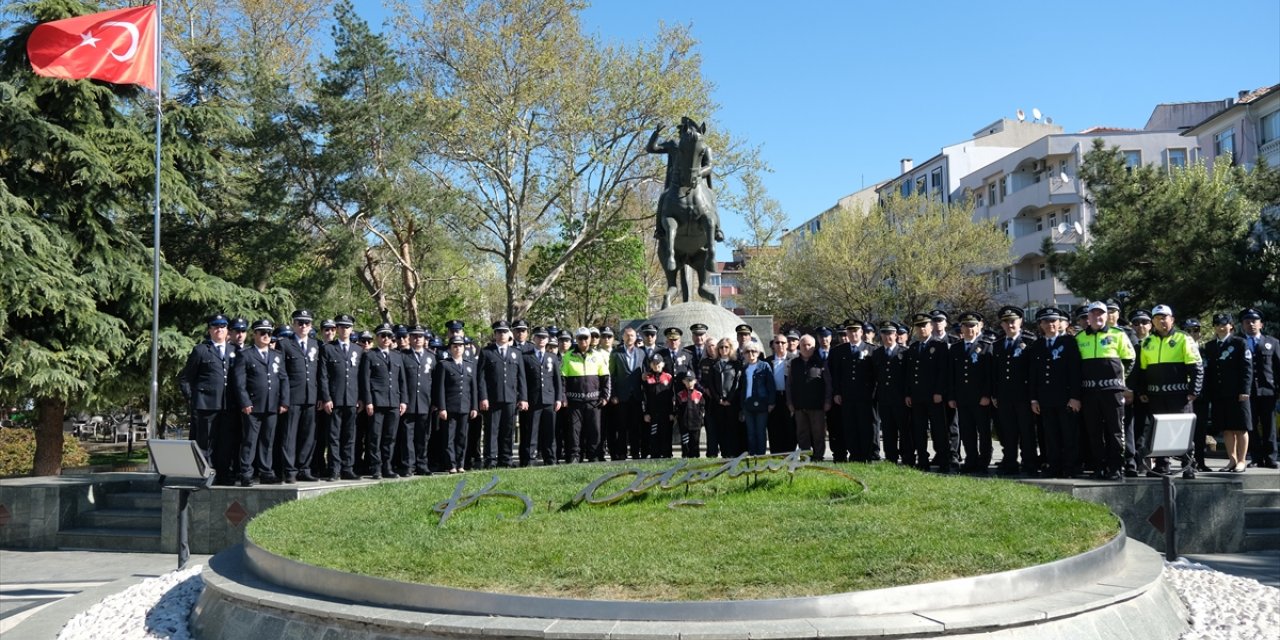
point(687, 225)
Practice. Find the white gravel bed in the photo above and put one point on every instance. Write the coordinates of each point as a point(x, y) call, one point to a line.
point(1222, 607)
point(154, 608)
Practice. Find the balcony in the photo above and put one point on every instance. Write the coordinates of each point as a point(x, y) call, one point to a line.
point(1029, 244)
point(1040, 293)
point(1050, 191)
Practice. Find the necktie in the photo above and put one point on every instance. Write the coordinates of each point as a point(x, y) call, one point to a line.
point(1008, 344)
point(344, 347)
point(539, 357)
point(1051, 343)
point(222, 351)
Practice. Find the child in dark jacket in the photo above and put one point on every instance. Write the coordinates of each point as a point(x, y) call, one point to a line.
point(690, 408)
point(657, 407)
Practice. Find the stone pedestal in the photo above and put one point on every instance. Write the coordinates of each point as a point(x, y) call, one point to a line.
point(720, 321)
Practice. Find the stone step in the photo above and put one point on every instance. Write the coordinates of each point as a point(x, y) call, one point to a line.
point(104, 539)
point(133, 500)
point(120, 519)
point(1257, 498)
point(1262, 539)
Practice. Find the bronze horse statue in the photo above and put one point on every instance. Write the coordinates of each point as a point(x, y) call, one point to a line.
point(688, 225)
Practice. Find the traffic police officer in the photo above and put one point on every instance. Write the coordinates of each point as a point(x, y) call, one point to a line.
point(1170, 375)
point(1106, 360)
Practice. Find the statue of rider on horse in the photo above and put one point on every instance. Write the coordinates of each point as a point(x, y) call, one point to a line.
point(687, 227)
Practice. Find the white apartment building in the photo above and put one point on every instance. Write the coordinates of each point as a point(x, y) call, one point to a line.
point(1247, 128)
point(1033, 194)
point(939, 177)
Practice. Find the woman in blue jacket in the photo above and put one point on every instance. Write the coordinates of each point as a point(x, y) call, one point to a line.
point(759, 392)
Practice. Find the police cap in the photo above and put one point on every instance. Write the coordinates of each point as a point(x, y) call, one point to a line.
point(263, 325)
point(673, 332)
point(239, 324)
point(920, 319)
point(217, 320)
point(649, 328)
point(520, 325)
point(540, 332)
point(606, 331)
point(302, 315)
point(743, 328)
point(501, 325)
point(1220, 319)
point(971, 318)
point(328, 324)
point(384, 329)
point(454, 325)
point(1250, 314)
point(697, 328)
point(344, 320)
point(1049, 313)
point(1009, 312)
point(417, 330)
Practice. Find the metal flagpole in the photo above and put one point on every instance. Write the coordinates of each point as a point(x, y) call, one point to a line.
point(153, 425)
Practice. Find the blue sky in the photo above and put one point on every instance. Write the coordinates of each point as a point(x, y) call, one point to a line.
point(835, 93)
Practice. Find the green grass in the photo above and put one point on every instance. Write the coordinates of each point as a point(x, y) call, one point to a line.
point(818, 534)
point(121, 457)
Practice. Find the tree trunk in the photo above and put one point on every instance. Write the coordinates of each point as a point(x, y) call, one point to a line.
point(51, 412)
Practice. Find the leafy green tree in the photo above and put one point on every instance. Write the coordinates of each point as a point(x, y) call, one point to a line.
point(908, 255)
point(548, 125)
point(75, 165)
point(603, 284)
point(1179, 236)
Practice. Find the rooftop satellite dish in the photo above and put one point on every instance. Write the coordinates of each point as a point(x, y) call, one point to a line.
point(1035, 113)
point(1078, 227)
point(1062, 176)
point(1062, 228)
point(1021, 116)
point(1048, 120)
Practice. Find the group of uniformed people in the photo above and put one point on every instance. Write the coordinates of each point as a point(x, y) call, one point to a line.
point(296, 405)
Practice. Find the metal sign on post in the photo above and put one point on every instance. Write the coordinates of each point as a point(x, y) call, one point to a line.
point(182, 467)
point(1172, 434)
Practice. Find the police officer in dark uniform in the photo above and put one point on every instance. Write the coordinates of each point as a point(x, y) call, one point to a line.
point(1228, 378)
point(545, 390)
point(339, 390)
point(1262, 400)
point(458, 398)
point(419, 393)
point(502, 393)
point(677, 360)
point(888, 362)
point(321, 456)
point(296, 442)
point(850, 379)
point(261, 391)
point(1055, 393)
point(520, 336)
point(969, 392)
point(928, 371)
point(382, 387)
point(203, 383)
point(1015, 423)
point(696, 349)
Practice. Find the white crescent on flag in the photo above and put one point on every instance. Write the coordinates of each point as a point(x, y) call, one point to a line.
point(133, 40)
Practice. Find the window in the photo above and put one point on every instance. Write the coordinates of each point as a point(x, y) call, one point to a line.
point(905, 189)
point(1224, 143)
point(1044, 271)
point(1132, 160)
point(1004, 188)
point(1176, 158)
point(1066, 216)
point(991, 194)
point(1053, 220)
point(979, 204)
point(1062, 167)
point(1008, 279)
point(935, 179)
point(922, 185)
point(1039, 223)
point(1004, 227)
point(1269, 127)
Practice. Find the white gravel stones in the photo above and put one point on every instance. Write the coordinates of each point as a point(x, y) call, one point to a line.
point(1223, 606)
point(154, 608)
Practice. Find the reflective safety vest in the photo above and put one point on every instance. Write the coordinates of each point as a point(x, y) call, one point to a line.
point(586, 376)
point(1170, 365)
point(1106, 359)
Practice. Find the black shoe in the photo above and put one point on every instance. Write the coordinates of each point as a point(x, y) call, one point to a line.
point(270, 480)
point(306, 477)
point(290, 480)
point(347, 475)
point(573, 460)
point(246, 482)
point(1130, 473)
point(330, 478)
point(391, 475)
point(224, 482)
point(1189, 473)
point(1269, 464)
point(1114, 476)
point(1200, 466)
point(375, 476)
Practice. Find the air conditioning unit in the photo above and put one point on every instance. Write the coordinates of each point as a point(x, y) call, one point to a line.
point(1038, 166)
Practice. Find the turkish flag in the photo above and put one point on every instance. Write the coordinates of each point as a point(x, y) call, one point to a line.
point(116, 46)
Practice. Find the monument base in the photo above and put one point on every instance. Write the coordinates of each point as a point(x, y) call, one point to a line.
point(719, 320)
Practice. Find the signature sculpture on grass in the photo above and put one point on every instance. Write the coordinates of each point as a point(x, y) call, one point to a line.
point(682, 474)
point(688, 226)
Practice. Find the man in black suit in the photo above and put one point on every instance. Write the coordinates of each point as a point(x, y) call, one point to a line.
point(850, 379)
point(1262, 399)
point(296, 442)
point(261, 391)
point(502, 393)
point(545, 390)
point(1055, 393)
point(419, 393)
point(339, 391)
point(203, 383)
point(1011, 368)
point(970, 392)
point(381, 388)
point(626, 365)
point(457, 397)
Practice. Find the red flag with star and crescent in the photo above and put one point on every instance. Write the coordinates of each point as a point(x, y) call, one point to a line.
point(116, 46)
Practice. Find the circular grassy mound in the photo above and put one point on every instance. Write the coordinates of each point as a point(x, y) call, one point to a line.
point(755, 536)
